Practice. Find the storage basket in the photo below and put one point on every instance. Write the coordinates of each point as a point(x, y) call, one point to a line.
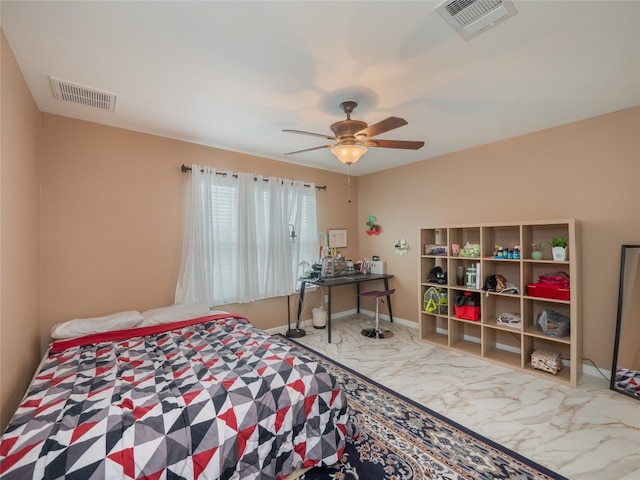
point(547, 361)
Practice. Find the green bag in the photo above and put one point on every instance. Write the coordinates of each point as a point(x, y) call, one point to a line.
point(435, 301)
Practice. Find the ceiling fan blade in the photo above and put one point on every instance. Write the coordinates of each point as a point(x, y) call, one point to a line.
point(310, 133)
point(309, 149)
point(383, 126)
point(406, 144)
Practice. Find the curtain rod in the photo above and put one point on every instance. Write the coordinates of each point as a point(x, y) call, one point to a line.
point(186, 169)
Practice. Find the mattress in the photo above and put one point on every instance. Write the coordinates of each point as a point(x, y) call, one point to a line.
point(209, 398)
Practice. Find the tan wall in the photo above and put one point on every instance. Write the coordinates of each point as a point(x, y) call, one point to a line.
point(112, 213)
point(588, 170)
point(19, 236)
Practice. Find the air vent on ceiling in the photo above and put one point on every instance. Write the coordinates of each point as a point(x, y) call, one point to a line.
point(70, 92)
point(470, 17)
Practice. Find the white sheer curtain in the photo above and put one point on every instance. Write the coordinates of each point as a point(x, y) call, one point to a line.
point(236, 245)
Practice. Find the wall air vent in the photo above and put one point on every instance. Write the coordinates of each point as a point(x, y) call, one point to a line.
point(72, 93)
point(471, 17)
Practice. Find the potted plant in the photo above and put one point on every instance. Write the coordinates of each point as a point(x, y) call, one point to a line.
point(559, 248)
point(536, 251)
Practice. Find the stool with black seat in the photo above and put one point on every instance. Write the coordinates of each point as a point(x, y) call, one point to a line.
point(376, 332)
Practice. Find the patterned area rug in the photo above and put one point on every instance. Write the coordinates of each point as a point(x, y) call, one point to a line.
point(402, 440)
point(628, 381)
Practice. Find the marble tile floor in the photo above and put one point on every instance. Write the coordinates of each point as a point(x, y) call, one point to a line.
point(586, 433)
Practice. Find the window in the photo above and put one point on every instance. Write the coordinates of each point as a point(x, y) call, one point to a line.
point(237, 245)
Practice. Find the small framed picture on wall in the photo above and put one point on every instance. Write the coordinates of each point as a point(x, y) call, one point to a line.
point(337, 237)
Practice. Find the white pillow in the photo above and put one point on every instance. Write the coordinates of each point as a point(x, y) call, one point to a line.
point(80, 327)
point(175, 313)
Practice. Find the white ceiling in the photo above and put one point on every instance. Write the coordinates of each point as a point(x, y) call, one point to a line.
point(234, 74)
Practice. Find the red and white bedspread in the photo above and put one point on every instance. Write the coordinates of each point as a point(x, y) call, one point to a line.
point(201, 399)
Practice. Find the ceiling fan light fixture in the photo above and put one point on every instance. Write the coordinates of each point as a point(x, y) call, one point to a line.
point(352, 137)
point(349, 154)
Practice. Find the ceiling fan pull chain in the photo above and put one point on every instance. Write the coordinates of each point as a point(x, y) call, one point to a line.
point(348, 183)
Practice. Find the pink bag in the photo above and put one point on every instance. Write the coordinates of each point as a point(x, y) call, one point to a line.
point(561, 279)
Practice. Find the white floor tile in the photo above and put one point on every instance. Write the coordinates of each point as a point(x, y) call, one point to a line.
point(586, 433)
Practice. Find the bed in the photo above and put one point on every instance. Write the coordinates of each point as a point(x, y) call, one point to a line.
point(205, 398)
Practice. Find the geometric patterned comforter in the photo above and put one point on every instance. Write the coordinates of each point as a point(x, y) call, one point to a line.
point(203, 399)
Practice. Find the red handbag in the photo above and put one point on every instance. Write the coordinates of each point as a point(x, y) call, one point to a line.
point(554, 286)
point(467, 306)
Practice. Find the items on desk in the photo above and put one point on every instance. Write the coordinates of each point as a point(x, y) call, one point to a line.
point(366, 265)
point(377, 267)
point(316, 269)
point(337, 266)
point(327, 267)
point(304, 269)
point(333, 267)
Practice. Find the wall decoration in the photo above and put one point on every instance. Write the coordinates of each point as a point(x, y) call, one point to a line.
point(372, 227)
point(401, 246)
point(337, 237)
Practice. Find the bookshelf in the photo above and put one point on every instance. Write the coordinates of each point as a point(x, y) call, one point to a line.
point(510, 345)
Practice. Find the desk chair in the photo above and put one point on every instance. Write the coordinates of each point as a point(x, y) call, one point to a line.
point(376, 332)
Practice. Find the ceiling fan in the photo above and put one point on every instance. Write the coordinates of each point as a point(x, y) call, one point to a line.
point(353, 136)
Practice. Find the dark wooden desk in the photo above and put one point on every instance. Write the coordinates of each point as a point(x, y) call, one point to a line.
point(356, 278)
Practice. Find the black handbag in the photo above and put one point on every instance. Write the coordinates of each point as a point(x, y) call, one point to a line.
point(437, 275)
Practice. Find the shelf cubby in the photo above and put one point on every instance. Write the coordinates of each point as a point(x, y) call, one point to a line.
point(466, 336)
point(434, 328)
point(501, 346)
